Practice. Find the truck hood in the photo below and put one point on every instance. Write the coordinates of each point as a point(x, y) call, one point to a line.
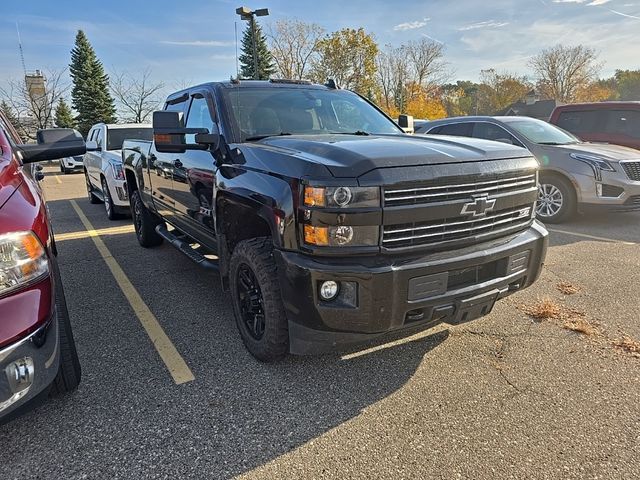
point(353, 155)
point(612, 153)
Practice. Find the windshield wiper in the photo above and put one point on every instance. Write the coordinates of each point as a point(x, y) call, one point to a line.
point(556, 143)
point(260, 137)
point(357, 132)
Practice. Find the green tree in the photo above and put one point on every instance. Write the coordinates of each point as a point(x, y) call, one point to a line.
point(10, 114)
point(90, 95)
point(64, 117)
point(348, 56)
point(497, 91)
point(628, 84)
point(266, 66)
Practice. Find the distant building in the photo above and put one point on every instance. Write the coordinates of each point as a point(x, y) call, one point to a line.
point(531, 106)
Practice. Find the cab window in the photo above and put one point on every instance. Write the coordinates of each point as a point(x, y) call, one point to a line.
point(199, 116)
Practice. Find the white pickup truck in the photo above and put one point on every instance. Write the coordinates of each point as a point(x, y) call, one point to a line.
point(103, 164)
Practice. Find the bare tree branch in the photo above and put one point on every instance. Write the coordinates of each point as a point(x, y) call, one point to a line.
point(563, 71)
point(292, 45)
point(33, 108)
point(137, 96)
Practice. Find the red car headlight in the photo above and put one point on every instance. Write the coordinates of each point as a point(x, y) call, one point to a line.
point(23, 260)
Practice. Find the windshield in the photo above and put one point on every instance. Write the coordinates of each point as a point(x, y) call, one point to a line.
point(118, 135)
point(541, 132)
point(262, 112)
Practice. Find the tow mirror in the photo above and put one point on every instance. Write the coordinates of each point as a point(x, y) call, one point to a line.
point(170, 134)
point(406, 123)
point(53, 143)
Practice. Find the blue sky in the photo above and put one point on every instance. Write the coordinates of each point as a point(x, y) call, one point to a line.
point(185, 41)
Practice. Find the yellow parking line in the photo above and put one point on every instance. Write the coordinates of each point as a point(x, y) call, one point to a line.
point(57, 178)
point(591, 237)
point(61, 237)
point(168, 353)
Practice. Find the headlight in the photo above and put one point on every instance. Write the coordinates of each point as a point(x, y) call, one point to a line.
point(341, 236)
point(598, 164)
point(22, 260)
point(118, 171)
point(341, 197)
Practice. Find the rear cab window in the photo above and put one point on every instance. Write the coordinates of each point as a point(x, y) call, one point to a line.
point(579, 121)
point(622, 122)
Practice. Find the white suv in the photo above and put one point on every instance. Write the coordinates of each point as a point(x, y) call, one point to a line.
point(103, 164)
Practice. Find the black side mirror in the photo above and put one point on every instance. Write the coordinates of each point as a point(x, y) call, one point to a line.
point(169, 134)
point(405, 122)
point(53, 143)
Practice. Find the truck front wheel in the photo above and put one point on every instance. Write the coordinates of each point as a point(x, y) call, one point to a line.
point(145, 222)
point(257, 302)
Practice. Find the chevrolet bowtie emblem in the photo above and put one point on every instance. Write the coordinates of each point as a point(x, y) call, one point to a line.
point(480, 206)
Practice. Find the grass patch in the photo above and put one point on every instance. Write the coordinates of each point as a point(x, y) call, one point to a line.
point(543, 309)
point(567, 288)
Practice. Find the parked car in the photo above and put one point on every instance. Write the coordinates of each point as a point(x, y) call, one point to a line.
point(574, 175)
point(331, 226)
point(103, 164)
point(37, 352)
point(607, 122)
point(71, 164)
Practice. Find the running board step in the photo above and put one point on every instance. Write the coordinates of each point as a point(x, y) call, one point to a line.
point(185, 248)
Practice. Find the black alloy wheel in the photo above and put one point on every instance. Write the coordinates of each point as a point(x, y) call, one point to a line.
point(251, 302)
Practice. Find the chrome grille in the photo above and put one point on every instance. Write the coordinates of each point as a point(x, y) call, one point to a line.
point(461, 191)
point(632, 169)
point(428, 233)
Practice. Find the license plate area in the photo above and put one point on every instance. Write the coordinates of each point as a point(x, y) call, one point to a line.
point(475, 307)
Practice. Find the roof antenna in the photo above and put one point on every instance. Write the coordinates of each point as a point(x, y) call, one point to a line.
point(24, 67)
point(235, 27)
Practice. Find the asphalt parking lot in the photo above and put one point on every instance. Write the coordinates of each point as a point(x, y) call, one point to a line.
point(505, 396)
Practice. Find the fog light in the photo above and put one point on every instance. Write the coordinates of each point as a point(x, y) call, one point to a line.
point(329, 290)
point(599, 189)
point(20, 374)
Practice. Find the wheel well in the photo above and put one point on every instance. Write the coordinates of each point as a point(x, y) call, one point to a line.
point(562, 176)
point(240, 222)
point(132, 184)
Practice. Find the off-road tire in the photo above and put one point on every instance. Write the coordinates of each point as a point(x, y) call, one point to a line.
point(257, 255)
point(69, 372)
point(569, 200)
point(144, 222)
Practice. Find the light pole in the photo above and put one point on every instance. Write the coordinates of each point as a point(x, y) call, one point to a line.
point(247, 14)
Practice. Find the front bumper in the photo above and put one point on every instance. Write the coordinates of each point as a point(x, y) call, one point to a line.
point(29, 366)
point(615, 192)
point(386, 294)
point(72, 164)
point(118, 191)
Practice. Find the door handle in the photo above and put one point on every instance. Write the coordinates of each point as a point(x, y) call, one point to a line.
point(177, 163)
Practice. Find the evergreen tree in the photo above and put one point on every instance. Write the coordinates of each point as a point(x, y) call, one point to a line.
point(9, 114)
point(90, 95)
point(64, 117)
point(266, 66)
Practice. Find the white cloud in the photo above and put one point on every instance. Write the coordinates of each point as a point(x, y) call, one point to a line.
point(411, 25)
point(485, 24)
point(198, 43)
point(624, 14)
point(595, 3)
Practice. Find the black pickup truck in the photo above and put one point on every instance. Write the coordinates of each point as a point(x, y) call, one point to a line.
point(330, 224)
